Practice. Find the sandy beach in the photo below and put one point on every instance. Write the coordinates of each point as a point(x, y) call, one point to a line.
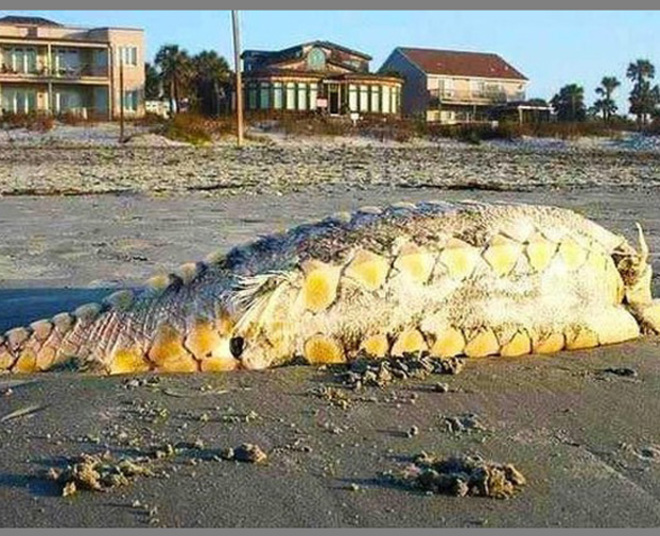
point(59, 163)
point(583, 432)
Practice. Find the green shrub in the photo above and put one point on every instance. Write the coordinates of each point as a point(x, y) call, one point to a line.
point(196, 129)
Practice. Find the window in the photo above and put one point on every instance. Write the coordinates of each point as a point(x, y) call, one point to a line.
point(446, 115)
point(264, 95)
point(21, 60)
point(100, 100)
point(352, 98)
point(6, 103)
point(313, 95)
point(358, 65)
point(30, 60)
point(67, 99)
point(386, 99)
point(364, 98)
point(290, 96)
point(128, 55)
point(277, 95)
point(131, 100)
point(19, 101)
point(101, 59)
point(316, 60)
point(302, 96)
point(66, 61)
point(375, 99)
point(477, 88)
point(252, 97)
point(17, 63)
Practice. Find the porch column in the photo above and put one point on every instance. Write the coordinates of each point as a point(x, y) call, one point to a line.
point(108, 100)
point(520, 115)
point(111, 86)
point(51, 103)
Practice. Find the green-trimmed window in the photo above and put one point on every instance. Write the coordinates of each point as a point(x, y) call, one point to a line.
point(313, 95)
point(264, 95)
point(375, 99)
point(352, 98)
point(364, 98)
point(316, 60)
point(252, 96)
point(302, 96)
point(387, 102)
point(290, 96)
point(278, 96)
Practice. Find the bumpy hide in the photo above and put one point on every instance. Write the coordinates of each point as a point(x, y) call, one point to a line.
point(448, 279)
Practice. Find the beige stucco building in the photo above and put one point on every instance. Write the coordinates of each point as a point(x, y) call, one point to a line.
point(453, 86)
point(49, 67)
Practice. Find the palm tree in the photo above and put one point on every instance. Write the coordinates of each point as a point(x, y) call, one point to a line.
point(152, 82)
point(210, 73)
point(643, 98)
point(569, 103)
point(606, 104)
point(640, 71)
point(175, 71)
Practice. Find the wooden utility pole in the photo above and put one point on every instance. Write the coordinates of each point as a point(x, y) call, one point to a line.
point(239, 86)
point(121, 96)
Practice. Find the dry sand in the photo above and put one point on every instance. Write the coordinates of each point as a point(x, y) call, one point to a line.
point(585, 439)
point(353, 163)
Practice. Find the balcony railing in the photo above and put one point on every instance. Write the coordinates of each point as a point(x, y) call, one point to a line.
point(479, 96)
point(65, 73)
point(81, 72)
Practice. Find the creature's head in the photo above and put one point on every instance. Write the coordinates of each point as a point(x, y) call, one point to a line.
point(635, 271)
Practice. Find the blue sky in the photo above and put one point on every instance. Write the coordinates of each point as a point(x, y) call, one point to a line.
point(551, 48)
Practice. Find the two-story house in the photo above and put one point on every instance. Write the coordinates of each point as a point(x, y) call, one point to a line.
point(317, 76)
point(48, 67)
point(451, 86)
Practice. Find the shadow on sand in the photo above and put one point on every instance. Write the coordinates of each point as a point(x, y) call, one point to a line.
point(19, 307)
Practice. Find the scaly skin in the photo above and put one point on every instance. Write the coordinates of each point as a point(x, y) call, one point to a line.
point(449, 279)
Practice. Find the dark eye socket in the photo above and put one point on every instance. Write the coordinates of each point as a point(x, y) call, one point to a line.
point(236, 346)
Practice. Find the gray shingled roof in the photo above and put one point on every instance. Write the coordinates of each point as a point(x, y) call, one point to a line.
point(30, 21)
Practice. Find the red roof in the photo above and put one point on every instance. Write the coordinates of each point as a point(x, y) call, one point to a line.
point(456, 63)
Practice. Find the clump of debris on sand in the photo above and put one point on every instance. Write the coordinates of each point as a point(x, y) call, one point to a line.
point(379, 373)
point(98, 472)
point(103, 472)
point(460, 476)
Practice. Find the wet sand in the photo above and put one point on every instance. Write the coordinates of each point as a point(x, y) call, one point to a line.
point(587, 440)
